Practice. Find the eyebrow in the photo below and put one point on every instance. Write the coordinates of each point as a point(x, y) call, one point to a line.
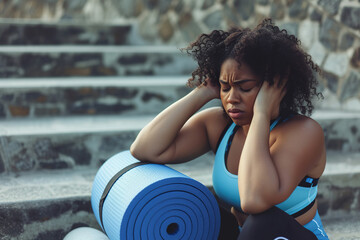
point(237, 81)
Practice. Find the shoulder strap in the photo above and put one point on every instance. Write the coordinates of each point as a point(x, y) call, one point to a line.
point(279, 120)
point(274, 123)
point(223, 134)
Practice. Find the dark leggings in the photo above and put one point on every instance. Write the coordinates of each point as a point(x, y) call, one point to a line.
point(274, 224)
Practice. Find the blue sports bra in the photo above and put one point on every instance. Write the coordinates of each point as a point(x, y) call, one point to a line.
point(226, 184)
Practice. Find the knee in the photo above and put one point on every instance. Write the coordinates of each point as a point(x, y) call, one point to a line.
point(258, 225)
point(262, 219)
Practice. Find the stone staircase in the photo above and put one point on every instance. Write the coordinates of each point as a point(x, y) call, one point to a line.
point(72, 95)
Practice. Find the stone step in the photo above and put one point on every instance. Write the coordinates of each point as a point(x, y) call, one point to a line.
point(50, 97)
point(71, 142)
point(103, 60)
point(62, 143)
point(35, 32)
point(48, 204)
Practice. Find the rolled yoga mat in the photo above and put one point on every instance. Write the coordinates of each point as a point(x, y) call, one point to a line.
point(152, 201)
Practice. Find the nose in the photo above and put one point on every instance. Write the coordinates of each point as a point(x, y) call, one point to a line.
point(233, 97)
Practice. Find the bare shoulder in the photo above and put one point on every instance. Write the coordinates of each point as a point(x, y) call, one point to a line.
point(301, 125)
point(215, 121)
point(302, 138)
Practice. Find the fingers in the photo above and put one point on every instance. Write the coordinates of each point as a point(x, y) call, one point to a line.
point(280, 82)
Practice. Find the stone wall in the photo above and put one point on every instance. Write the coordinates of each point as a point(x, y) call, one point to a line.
point(328, 29)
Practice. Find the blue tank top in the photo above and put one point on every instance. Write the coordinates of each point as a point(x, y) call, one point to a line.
point(226, 184)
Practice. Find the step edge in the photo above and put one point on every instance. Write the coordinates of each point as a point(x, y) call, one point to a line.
point(73, 22)
point(138, 49)
point(61, 125)
point(64, 82)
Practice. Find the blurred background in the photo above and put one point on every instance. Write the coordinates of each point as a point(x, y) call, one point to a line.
point(80, 78)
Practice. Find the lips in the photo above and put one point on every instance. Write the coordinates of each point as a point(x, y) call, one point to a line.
point(235, 113)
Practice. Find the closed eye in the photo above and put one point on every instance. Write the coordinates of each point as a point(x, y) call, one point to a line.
point(225, 89)
point(245, 90)
point(224, 86)
point(246, 85)
point(243, 85)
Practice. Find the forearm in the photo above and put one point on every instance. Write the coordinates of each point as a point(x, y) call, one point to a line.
point(161, 132)
point(258, 177)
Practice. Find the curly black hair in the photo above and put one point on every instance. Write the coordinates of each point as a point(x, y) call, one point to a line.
point(269, 52)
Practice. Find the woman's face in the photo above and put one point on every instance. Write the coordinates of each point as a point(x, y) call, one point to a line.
point(239, 86)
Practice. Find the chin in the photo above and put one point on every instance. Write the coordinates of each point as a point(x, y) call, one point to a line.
point(241, 121)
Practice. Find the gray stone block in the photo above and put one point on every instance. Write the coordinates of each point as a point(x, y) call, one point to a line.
point(318, 53)
point(351, 86)
point(134, 59)
point(22, 161)
point(2, 111)
point(213, 20)
point(161, 5)
point(2, 166)
point(308, 31)
point(323, 205)
point(332, 81)
point(347, 40)
point(277, 10)
point(262, 2)
point(113, 142)
point(188, 26)
point(337, 63)
point(355, 59)
point(298, 9)
point(340, 192)
point(246, 8)
point(77, 151)
point(344, 199)
point(230, 15)
point(330, 6)
point(350, 16)
point(315, 15)
point(44, 150)
point(329, 32)
point(129, 8)
point(74, 5)
point(340, 135)
point(166, 29)
point(207, 4)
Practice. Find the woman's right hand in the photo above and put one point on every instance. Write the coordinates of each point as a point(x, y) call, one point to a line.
point(212, 90)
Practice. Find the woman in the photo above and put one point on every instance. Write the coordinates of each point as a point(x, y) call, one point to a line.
point(268, 153)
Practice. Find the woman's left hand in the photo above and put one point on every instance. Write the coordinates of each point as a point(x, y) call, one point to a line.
point(269, 98)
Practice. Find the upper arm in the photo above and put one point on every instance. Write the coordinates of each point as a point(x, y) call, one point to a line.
point(192, 140)
point(297, 150)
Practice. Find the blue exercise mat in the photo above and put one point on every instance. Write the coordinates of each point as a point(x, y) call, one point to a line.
point(153, 201)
